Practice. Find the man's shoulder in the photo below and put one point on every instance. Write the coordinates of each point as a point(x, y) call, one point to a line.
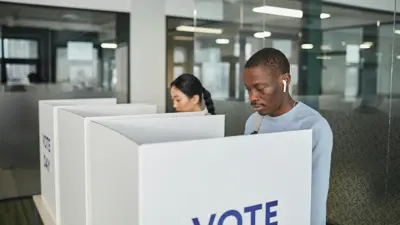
point(321, 130)
point(253, 116)
point(250, 123)
point(252, 119)
point(312, 118)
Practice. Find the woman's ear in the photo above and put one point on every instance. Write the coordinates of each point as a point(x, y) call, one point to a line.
point(195, 99)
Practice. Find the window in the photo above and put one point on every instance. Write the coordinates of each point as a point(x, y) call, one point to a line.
point(20, 49)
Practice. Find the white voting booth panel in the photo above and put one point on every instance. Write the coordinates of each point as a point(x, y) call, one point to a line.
point(180, 171)
point(72, 154)
point(73, 123)
point(112, 172)
point(49, 144)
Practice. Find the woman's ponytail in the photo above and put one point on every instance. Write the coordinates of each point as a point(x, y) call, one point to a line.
point(208, 101)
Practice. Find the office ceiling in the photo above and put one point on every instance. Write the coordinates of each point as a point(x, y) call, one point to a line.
point(237, 15)
point(340, 16)
point(240, 17)
point(59, 19)
point(15, 12)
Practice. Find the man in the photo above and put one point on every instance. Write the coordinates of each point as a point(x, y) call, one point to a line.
point(267, 79)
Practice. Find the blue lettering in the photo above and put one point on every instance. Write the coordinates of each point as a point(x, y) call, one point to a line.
point(232, 213)
point(252, 210)
point(210, 221)
point(269, 214)
point(46, 143)
point(46, 162)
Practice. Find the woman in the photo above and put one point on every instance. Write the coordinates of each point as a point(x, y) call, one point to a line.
point(187, 94)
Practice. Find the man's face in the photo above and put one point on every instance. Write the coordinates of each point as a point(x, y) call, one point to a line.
point(265, 88)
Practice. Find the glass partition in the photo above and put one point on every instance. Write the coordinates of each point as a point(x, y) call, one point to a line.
point(343, 64)
point(52, 53)
point(392, 81)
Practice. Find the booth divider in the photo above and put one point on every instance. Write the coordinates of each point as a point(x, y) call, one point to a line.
point(181, 170)
point(48, 133)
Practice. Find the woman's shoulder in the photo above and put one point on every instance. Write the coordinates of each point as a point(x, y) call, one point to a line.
point(205, 111)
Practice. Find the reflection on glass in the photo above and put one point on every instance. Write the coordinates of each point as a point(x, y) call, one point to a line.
point(51, 53)
point(178, 70)
point(20, 49)
point(179, 55)
point(196, 71)
point(341, 64)
point(70, 49)
point(77, 69)
point(18, 73)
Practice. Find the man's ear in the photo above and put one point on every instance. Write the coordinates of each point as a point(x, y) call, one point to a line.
point(287, 77)
point(285, 80)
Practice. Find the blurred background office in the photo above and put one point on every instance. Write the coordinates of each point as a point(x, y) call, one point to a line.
point(50, 53)
point(343, 63)
point(343, 57)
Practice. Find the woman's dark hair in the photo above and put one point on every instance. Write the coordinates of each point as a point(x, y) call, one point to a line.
point(190, 85)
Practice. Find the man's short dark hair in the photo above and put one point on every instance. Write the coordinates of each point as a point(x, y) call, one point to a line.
point(271, 58)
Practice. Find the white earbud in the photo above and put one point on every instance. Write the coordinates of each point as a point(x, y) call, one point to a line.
point(284, 85)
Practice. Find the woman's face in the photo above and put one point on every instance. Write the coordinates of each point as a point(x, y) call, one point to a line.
point(182, 103)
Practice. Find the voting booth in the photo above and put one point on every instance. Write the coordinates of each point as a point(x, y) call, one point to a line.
point(180, 171)
point(74, 156)
point(49, 145)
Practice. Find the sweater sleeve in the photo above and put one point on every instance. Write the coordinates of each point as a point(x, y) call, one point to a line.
point(321, 166)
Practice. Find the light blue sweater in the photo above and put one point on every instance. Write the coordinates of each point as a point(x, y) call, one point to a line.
point(299, 118)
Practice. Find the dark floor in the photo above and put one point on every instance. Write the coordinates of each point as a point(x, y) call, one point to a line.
point(19, 211)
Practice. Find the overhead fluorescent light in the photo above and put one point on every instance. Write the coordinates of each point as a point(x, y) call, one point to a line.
point(109, 45)
point(366, 45)
point(222, 41)
point(262, 34)
point(324, 15)
point(397, 31)
point(183, 38)
point(278, 11)
point(307, 46)
point(199, 29)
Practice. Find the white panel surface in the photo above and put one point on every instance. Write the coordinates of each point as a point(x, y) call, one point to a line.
point(49, 147)
point(71, 132)
point(147, 116)
point(155, 130)
point(115, 110)
point(114, 167)
point(110, 147)
point(191, 182)
point(72, 153)
point(147, 52)
point(214, 176)
point(74, 102)
point(90, 148)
